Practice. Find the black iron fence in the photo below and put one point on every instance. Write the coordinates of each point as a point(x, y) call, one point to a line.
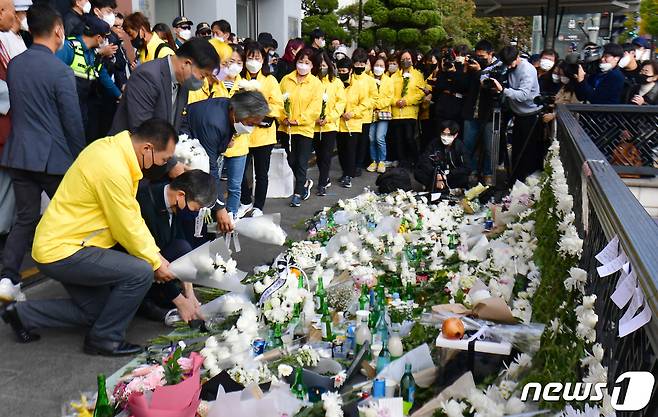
point(604, 208)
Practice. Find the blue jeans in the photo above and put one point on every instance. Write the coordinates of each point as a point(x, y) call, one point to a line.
point(472, 131)
point(378, 140)
point(235, 171)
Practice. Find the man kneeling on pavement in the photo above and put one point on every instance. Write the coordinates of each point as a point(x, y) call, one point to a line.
point(93, 211)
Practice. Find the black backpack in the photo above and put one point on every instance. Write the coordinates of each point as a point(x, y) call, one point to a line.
point(394, 179)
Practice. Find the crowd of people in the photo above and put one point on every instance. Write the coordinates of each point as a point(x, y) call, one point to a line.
point(97, 132)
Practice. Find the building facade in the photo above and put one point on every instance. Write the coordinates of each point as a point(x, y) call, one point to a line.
point(282, 18)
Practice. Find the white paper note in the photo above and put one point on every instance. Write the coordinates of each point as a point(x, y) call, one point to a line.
point(393, 405)
point(636, 303)
point(612, 266)
point(625, 289)
point(636, 322)
point(610, 252)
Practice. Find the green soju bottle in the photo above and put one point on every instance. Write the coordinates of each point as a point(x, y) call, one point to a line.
point(364, 300)
point(320, 296)
point(103, 407)
point(298, 388)
point(298, 307)
point(325, 322)
point(277, 337)
point(407, 389)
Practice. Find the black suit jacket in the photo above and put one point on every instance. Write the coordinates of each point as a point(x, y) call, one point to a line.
point(148, 95)
point(154, 211)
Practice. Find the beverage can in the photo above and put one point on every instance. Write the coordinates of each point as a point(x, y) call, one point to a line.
point(259, 346)
point(379, 388)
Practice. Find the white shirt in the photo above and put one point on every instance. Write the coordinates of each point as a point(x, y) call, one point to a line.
point(166, 200)
point(13, 43)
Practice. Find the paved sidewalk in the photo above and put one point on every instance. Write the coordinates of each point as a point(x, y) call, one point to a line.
point(37, 378)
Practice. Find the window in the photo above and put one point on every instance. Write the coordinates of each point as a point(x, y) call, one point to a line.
point(293, 27)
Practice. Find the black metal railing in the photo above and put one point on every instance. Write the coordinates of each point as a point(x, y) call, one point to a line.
point(604, 208)
point(627, 135)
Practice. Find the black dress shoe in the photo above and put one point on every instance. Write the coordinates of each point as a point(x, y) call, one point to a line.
point(151, 310)
point(109, 348)
point(10, 316)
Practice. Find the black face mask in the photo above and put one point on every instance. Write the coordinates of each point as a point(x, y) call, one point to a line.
point(644, 79)
point(344, 77)
point(359, 70)
point(137, 43)
point(483, 62)
point(154, 172)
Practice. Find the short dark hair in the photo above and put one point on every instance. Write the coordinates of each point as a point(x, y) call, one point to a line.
point(156, 131)
point(550, 52)
point(42, 19)
point(450, 125)
point(613, 49)
point(197, 185)
point(223, 25)
point(484, 45)
point(304, 52)
point(119, 15)
point(411, 52)
point(317, 33)
point(99, 4)
point(653, 64)
point(246, 103)
point(201, 52)
point(344, 63)
point(629, 47)
point(359, 55)
point(508, 54)
point(252, 47)
point(317, 62)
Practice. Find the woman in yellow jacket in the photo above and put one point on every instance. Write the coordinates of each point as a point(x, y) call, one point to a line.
point(302, 104)
point(357, 105)
point(408, 84)
point(381, 116)
point(224, 82)
point(263, 138)
point(360, 75)
point(326, 127)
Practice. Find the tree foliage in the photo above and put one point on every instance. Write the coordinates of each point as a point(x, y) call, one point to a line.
point(321, 14)
point(649, 17)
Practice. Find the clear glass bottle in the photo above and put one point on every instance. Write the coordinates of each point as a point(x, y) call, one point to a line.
point(395, 344)
point(362, 334)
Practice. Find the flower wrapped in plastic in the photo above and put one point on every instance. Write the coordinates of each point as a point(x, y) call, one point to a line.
point(191, 153)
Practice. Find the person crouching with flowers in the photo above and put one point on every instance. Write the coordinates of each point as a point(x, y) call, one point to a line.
point(302, 92)
point(333, 105)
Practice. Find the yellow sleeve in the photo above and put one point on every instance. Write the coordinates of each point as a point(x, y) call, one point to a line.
point(365, 102)
point(339, 102)
point(124, 218)
point(282, 89)
point(275, 98)
point(386, 94)
point(312, 112)
point(414, 94)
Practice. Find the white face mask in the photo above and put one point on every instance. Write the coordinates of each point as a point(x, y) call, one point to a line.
point(624, 61)
point(24, 25)
point(322, 43)
point(564, 80)
point(253, 65)
point(234, 69)
point(219, 38)
point(392, 68)
point(87, 7)
point(447, 139)
point(185, 34)
point(303, 69)
point(241, 128)
point(109, 19)
point(643, 55)
point(556, 78)
point(546, 64)
point(378, 71)
point(605, 66)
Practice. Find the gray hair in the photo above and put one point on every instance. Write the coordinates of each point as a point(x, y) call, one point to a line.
point(249, 104)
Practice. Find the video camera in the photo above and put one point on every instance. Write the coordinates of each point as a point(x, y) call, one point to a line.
point(589, 59)
point(547, 101)
point(497, 72)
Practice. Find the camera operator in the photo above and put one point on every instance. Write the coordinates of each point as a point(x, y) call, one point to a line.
point(523, 87)
point(477, 111)
point(450, 87)
point(604, 87)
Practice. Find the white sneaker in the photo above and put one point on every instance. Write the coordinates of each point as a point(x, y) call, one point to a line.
point(244, 208)
point(256, 212)
point(10, 292)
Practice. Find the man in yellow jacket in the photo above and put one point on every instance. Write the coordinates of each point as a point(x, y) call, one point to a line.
point(93, 210)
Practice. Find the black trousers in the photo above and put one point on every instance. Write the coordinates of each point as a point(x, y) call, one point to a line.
point(526, 146)
point(299, 152)
point(324, 146)
point(28, 186)
point(347, 144)
point(363, 147)
point(260, 158)
point(404, 140)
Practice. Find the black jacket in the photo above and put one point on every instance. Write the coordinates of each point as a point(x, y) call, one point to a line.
point(478, 102)
point(448, 94)
point(156, 216)
point(73, 23)
point(283, 68)
point(438, 157)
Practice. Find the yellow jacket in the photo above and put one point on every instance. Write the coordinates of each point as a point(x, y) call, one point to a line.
point(424, 113)
point(414, 95)
point(359, 102)
point(218, 89)
point(384, 98)
point(305, 100)
point(95, 205)
point(372, 94)
point(269, 86)
point(148, 54)
point(335, 103)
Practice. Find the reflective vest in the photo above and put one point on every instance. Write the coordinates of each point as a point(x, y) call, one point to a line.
point(79, 64)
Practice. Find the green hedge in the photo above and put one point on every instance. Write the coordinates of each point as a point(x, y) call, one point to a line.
point(380, 16)
point(388, 36)
point(367, 38)
point(370, 6)
point(408, 36)
point(434, 35)
point(399, 3)
point(400, 15)
point(423, 4)
point(432, 17)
